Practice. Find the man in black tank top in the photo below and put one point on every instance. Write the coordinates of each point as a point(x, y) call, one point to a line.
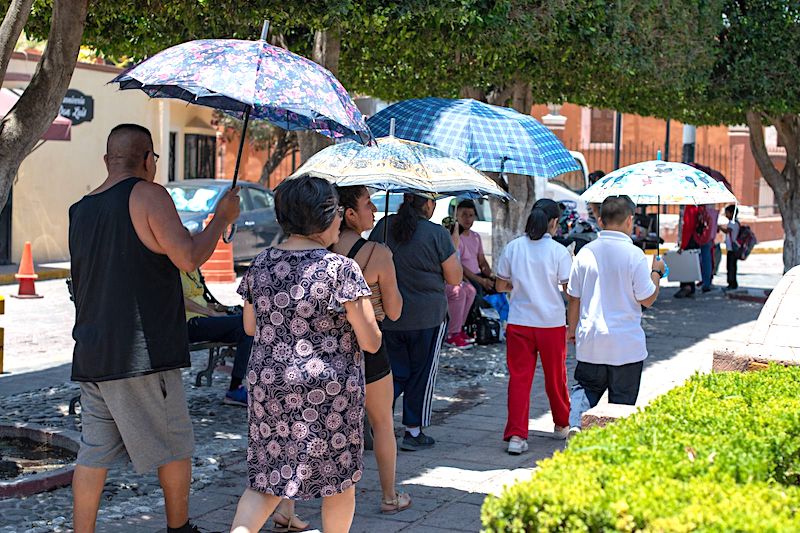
point(126, 246)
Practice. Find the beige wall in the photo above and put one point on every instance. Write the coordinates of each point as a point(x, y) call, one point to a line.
point(58, 174)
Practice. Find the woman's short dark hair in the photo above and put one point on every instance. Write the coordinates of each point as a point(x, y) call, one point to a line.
point(408, 215)
point(305, 205)
point(543, 212)
point(349, 196)
point(467, 204)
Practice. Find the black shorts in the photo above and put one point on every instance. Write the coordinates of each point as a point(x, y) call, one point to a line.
point(376, 365)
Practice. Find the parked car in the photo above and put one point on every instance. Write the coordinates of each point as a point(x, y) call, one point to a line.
point(256, 227)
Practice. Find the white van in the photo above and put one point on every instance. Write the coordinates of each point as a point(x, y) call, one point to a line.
point(566, 188)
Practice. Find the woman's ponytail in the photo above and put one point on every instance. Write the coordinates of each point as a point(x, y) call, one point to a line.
point(542, 213)
point(407, 218)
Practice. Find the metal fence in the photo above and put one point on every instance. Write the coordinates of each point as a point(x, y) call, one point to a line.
point(601, 157)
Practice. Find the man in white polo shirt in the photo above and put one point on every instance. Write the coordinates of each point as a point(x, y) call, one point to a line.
point(609, 283)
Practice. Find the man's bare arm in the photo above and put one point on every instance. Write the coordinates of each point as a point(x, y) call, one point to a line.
point(160, 229)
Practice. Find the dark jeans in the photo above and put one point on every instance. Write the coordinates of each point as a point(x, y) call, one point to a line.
point(733, 261)
point(622, 382)
point(224, 329)
point(592, 381)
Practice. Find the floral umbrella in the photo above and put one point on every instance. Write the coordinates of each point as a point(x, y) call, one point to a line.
point(238, 77)
point(251, 79)
point(398, 165)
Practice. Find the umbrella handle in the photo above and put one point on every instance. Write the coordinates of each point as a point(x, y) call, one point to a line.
point(227, 238)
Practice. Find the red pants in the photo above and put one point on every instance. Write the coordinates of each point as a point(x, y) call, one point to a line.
point(522, 345)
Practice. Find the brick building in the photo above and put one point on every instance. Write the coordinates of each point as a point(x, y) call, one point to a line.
point(591, 132)
point(726, 149)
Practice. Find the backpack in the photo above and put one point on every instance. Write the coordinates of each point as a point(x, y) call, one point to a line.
point(745, 242)
point(487, 330)
point(702, 229)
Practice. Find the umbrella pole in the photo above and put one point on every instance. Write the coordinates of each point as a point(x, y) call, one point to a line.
point(241, 147)
point(385, 217)
point(228, 237)
point(658, 227)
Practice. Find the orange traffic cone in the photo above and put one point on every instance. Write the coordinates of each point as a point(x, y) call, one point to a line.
point(26, 275)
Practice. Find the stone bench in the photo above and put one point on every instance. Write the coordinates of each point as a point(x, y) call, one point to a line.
point(776, 335)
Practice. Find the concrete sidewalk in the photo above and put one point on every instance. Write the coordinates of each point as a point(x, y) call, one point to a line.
point(448, 482)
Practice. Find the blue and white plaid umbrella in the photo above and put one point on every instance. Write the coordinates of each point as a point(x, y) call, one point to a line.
point(487, 137)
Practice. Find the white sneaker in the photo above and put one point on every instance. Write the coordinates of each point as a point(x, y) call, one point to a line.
point(560, 432)
point(573, 431)
point(517, 445)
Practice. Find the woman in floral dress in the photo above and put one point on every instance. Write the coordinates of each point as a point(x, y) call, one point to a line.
point(309, 312)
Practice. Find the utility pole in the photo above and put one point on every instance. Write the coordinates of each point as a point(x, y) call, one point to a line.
point(617, 137)
point(689, 140)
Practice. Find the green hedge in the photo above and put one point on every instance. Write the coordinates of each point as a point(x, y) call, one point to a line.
point(721, 453)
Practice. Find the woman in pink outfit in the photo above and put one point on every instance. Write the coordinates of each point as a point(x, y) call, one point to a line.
point(477, 276)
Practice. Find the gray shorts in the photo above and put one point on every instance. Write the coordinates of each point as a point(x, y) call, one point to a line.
point(144, 419)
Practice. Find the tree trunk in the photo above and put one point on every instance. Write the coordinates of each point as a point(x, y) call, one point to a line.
point(327, 49)
point(472, 92)
point(39, 104)
point(285, 143)
point(10, 30)
point(790, 211)
point(509, 218)
point(785, 184)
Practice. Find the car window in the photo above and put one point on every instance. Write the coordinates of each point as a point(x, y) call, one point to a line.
point(379, 199)
point(193, 198)
point(261, 199)
point(574, 180)
point(244, 203)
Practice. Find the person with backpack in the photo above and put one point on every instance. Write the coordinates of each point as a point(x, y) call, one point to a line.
point(531, 268)
point(731, 232)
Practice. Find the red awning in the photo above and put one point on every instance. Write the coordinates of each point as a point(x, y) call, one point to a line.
point(59, 130)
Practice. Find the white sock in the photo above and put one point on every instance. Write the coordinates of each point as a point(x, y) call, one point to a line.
point(414, 432)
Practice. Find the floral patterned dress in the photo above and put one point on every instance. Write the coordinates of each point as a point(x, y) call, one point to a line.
point(305, 378)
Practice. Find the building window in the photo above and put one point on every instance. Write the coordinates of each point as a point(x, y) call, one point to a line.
point(602, 126)
point(199, 156)
point(171, 161)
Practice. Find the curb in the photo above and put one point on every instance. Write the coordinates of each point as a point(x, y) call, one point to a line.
point(47, 480)
point(44, 275)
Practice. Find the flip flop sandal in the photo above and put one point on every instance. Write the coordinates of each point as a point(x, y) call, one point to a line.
point(401, 502)
point(289, 526)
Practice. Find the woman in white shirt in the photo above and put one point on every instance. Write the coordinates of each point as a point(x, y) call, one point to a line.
point(531, 268)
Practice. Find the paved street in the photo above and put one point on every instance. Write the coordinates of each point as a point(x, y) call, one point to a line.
point(448, 483)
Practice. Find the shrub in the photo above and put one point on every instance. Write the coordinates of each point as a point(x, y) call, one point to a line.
point(720, 453)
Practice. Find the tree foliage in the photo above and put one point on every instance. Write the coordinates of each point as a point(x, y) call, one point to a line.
point(700, 62)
